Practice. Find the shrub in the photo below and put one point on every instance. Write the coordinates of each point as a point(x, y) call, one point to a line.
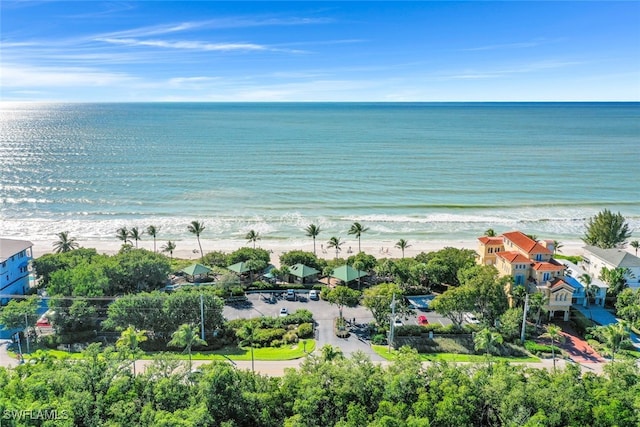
point(276, 343)
point(410, 330)
point(305, 330)
point(290, 337)
point(379, 339)
point(536, 348)
point(267, 336)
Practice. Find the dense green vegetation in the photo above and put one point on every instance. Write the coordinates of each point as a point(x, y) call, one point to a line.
point(327, 390)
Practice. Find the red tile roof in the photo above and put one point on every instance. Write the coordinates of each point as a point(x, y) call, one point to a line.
point(513, 257)
point(548, 266)
point(559, 283)
point(525, 243)
point(491, 240)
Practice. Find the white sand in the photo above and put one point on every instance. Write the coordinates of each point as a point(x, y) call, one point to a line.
point(185, 248)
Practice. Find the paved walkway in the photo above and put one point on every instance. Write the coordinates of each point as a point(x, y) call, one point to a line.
point(577, 348)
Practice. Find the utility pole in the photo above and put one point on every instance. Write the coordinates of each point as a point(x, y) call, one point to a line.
point(524, 317)
point(391, 321)
point(19, 347)
point(201, 317)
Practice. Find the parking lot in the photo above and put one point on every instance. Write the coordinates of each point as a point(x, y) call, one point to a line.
point(259, 304)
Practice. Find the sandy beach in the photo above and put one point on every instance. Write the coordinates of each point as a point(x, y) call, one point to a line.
point(188, 248)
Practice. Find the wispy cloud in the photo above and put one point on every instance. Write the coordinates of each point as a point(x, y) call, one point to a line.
point(190, 45)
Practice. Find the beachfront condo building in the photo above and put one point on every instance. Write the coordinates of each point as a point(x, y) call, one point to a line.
point(15, 256)
point(531, 265)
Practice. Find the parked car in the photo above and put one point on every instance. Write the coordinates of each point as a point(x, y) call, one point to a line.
point(422, 320)
point(313, 294)
point(284, 312)
point(470, 318)
point(398, 322)
point(291, 295)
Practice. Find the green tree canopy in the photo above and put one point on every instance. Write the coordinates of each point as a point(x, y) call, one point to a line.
point(378, 299)
point(246, 254)
point(606, 230)
point(301, 257)
point(341, 296)
point(15, 313)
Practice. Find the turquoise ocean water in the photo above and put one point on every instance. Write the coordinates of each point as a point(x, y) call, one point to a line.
point(414, 171)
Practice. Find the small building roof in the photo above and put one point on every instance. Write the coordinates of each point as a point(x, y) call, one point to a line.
point(196, 270)
point(525, 243)
point(346, 273)
point(239, 267)
point(559, 283)
point(10, 247)
point(615, 257)
point(302, 271)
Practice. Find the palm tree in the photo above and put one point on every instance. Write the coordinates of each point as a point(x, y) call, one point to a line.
point(487, 341)
point(135, 234)
point(331, 353)
point(252, 236)
point(186, 337)
point(313, 231)
point(357, 229)
point(554, 333)
point(129, 342)
point(335, 243)
point(402, 245)
point(169, 247)
point(537, 301)
point(634, 244)
point(197, 227)
point(586, 281)
point(123, 234)
point(614, 336)
point(152, 231)
point(489, 232)
point(65, 243)
point(556, 246)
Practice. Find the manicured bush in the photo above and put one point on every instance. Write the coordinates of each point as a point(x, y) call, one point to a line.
point(379, 339)
point(305, 330)
point(290, 337)
point(267, 336)
point(536, 348)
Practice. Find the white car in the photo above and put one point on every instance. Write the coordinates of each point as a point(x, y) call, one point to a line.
point(284, 312)
point(313, 294)
point(398, 322)
point(471, 318)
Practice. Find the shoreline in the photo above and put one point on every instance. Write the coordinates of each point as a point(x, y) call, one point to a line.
point(378, 248)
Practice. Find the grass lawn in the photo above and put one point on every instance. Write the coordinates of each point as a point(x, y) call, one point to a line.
point(452, 357)
point(286, 352)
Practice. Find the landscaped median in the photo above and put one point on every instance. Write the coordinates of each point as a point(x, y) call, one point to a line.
point(383, 351)
point(285, 352)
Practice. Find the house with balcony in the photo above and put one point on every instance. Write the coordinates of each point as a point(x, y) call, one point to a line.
point(595, 258)
point(531, 265)
point(15, 256)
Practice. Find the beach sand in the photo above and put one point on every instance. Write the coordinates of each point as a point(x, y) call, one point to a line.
point(380, 249)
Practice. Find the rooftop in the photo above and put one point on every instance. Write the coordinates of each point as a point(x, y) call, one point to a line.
point(10, 247)
point(513, 257)
point(616, 257)
point(525, 243)
point(552, 265)
point(491, 240)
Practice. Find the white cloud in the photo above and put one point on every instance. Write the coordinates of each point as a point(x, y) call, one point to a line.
point(189, 45)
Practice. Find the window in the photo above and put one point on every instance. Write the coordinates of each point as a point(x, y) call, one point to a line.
point(545, 276)
point(538, 257)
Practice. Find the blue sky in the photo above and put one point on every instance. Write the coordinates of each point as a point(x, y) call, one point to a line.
point(319, 51)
